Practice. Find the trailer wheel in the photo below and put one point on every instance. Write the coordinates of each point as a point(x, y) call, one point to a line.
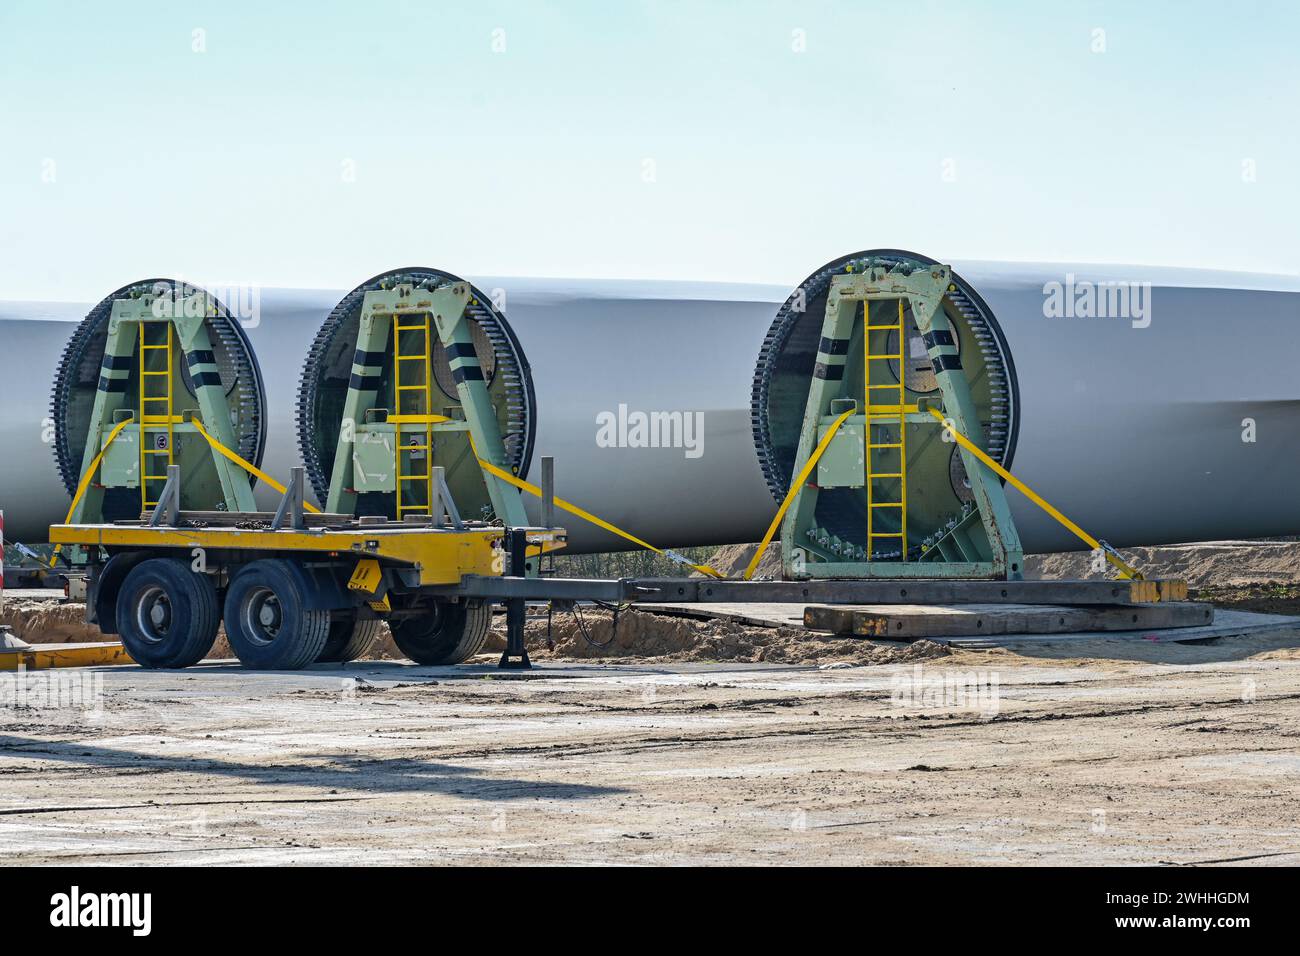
point(167, 615)
point(270, 622)
point(348, 638)
point(449, 634)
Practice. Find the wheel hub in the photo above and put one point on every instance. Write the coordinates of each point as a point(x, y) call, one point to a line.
point(154, 615)
point(269, 616)
point(263, 617)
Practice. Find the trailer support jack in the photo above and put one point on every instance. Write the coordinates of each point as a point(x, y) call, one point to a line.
point(515, 656)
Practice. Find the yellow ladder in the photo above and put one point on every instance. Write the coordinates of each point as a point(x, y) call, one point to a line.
point(413, 403)
point(150, 400)
point(887, 413)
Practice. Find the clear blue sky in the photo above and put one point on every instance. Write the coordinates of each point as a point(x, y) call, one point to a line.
point(229, 164)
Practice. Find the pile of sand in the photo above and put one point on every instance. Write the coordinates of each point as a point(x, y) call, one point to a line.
point(732, 559)
point(49, 622)
point(1216, 563)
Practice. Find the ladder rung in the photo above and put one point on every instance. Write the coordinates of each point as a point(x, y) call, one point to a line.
point(884, 474)
point(412, 388)
point(884, 534)
point(896, 444)
point(886, 504)
point(411, 328)
point(412, 477)
point(898, 357)
point(884, 328)
point(891, 385)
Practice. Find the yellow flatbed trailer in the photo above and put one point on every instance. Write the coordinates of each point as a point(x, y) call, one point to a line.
point(291, 596)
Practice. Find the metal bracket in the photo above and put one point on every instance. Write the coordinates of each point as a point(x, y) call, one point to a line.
point(291, 503)
point(548, 492)
point(167, 512)
point(442, 501)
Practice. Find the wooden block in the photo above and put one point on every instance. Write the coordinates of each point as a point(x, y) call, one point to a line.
point(1172, 590)
point(1145, 592)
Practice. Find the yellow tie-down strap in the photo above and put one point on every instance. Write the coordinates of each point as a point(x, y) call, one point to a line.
point(246, 465)
point(85, 482)
point(1125, 569)
point(588, 516)
point(795, 487)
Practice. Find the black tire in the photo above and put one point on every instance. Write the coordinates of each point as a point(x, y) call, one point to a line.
point(167, 615)
point(270, 622)
point(449, 634)
point(348, 638)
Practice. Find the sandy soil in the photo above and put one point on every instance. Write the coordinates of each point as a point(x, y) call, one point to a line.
point(1271, 598)
point(1219, 563)
point(48, 621)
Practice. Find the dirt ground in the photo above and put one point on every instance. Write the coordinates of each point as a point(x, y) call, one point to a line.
point(1117, 752)
point(680, 742)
